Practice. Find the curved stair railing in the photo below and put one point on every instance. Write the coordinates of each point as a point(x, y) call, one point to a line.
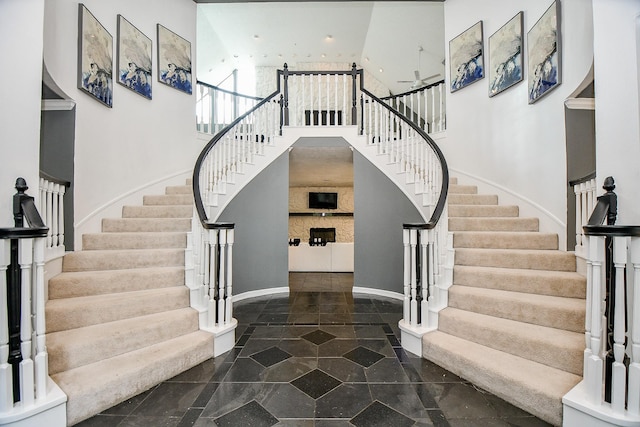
point(424, 106)
point(428, 270)
point(610, 390)
point(318, 99)
point(26, 389)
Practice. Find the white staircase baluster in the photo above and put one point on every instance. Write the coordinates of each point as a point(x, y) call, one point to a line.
point(594, 373)
point(406, 241)
point(40, 358)
point(6, 377)
point(27, 379)
point(619, 371)
point(222, 242)
point(633, 399)
point(413, 239)
point(229, 296)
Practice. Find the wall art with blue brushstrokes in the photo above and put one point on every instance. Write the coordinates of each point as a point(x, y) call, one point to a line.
point(95, 58)
point(134, 58)
point(174, 60)
point(543, 54)
point(505, 56)
point(466, 57)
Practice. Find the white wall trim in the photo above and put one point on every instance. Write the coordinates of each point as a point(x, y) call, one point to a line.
point(548, 222)
point(377, 292)
point(580, 103)
point(285, 290)
point(261, 293)
point(57, 104)
point(128, 194)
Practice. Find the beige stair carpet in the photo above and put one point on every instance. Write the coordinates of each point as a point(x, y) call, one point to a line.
point(514, 324)
point(118, 316)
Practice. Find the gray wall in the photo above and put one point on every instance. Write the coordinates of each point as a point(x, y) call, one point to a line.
point(260, 212)
point(57, 135)
point(380, 210)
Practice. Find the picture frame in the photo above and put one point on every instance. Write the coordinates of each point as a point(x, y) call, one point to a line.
point(544, 54)
point(505, 55)
point(174, 60)
point(466, 57)
point(133, 56)
point(95, 58)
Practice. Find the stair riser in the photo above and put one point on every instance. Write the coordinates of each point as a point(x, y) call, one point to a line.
point(462, 189)
point(80, 284)
point(73, 313)
point(121, 260)
point(517, 281)
point(553, 316)
point(472, 199)
point(157, 212)
point(179, 189)
point(170, 199)
point(136, 376)
point(146, 225)
point(547, 406)
point(505, 240)
point(493, 224)
point(555, 261)
point(114, 241)
point(79, 347)
point(566, 354)
point(483, 211)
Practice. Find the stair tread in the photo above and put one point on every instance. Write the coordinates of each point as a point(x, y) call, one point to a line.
point(554, 347)
point(532, 386)
point(80, 346)
point(546, 310)
point(98, 386)
point(566, 275)
point(535, 259)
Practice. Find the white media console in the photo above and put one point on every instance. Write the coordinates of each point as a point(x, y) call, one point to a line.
point(334, 257)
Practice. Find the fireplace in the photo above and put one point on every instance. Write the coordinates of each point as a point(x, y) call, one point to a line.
point(323, 234)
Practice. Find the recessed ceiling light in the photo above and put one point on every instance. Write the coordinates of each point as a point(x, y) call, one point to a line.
point(366, 58)
point(324, 55)
point(381, 70)
point(255, 36)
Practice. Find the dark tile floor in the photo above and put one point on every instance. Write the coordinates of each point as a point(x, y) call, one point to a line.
point(316, 358)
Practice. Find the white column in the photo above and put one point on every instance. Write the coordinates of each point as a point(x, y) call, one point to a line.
point(40, 358)
point(27, 379)
point(413, 239)
point(619, 371)
point(406, 240)
point(222, 242)
point(594, 374)
point(6, 384)
point(633, 404)
point(229, 296)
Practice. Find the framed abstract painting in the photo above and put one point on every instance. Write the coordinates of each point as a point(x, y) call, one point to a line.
point(544, 54)
point(505, 56)
point(133, 58)
point(174, 60)
point(466, 57)
point(95, 58)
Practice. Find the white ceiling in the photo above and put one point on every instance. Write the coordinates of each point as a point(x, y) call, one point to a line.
point(374, 34)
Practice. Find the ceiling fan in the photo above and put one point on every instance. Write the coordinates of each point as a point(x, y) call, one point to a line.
point(418, 82)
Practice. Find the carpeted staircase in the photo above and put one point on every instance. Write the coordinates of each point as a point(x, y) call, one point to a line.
point(515, 321)
point(118, 317)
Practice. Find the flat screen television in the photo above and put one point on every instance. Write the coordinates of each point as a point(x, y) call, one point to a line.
point(323, 200)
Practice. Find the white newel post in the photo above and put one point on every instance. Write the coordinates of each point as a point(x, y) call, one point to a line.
point(633, 399)
point(419, 260)
point(619, 371)
point(217, 276)
point(595, 368)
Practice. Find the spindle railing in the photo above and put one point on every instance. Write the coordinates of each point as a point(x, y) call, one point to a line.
point(216, 108)
point(423, 106)
point(52, 191)
point(610, 391)
point(25, 386)
point(326, 99)
point(584, 190)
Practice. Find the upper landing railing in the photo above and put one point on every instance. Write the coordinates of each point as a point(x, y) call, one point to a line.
point(321, 98)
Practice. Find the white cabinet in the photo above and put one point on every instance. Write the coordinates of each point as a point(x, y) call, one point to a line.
point(334, 257)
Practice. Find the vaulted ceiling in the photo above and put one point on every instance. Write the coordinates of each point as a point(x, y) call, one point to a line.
point(376, 35)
